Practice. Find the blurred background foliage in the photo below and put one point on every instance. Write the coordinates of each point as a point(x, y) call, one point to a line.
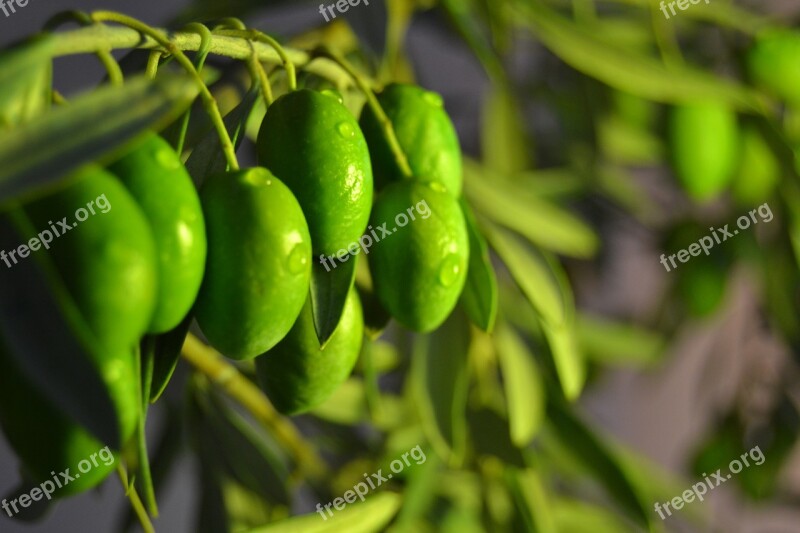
point(573, 199)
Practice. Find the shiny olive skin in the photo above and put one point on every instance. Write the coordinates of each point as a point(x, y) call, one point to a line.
point(297, 375)
point(312, 143)
point(156, 178)
point(258, 267)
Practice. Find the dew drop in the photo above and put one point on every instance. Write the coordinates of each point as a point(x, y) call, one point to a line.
point(166, 159)
point(450, 270)
point(336, 95)
point(346, 130)
point(435, 99)
point(298, 259)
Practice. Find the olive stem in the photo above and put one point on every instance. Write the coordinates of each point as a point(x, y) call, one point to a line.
point(209, 103)
point(223, 374)
point(152, 64)
point(144, 364)
point(257, 36)
point(136, 503)
point(372, 101)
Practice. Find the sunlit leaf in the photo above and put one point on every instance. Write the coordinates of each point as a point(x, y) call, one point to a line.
point(479, 297)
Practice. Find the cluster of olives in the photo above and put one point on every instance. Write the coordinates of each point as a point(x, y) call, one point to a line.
point(711, 151)
point(238, 256)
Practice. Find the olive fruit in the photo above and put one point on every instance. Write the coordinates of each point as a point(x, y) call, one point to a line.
point(153, 173)
point(107, 261)
point(297, 374)
point(45, 439)
point(772, 63)
point(314, 145)
point(704, 142)
point(425, 133)
point(420, 265)
point(758, 171)
point(258, 267)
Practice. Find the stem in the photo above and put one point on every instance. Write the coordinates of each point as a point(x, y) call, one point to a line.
point(372, 101)
point(144, 479)
point(258, 36)
point(136, 503)
point(209, 103)
point(97, 37)
point(152, 64)
point(223, 374)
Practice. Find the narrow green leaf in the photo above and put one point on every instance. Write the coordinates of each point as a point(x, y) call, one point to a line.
point(47, 338)
point(531, 498)
point(569, 363)
point(329, 289)
point(491, 435)
point(167, 352)
point(39, 153)
point(525, 393)
point(439, 385)
point(26, 73)
point(539, 221)
point(370, 516)
point(479, 297)
point(609, 342)
point(629, 71)
point(573, 516)
point(532, 274)
point(506, 146)
point(582, 443)
point(207, 157)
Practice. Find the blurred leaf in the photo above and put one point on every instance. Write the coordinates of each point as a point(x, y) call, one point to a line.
point(629, 71)
point(47, 337)
point(167, 352)
point(491, 435)
point(39, 153)
point(329, 290)
point(614, 343)
point(479, 297)
point(531, 498)
point(573, 516)
point(567, 359)
point(439, 385)
point(347, 405)
point(506, 146)
point(461, 13)
point(525, 393)
point(582, 443)
point(207, 157)
point(531, 273)
point(369, 516)
point(624, 143)
point(541, 222)
point(228, 444)
point(420, 494)
point(26, 72)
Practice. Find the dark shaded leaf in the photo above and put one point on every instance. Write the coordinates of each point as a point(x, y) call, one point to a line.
point(37, 154)
point(329, 290)
point(479, 297)
point(48, 339)
point(166, 353)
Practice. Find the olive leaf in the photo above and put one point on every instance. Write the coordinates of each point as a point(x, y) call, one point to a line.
point(506, 146)
point(329, 290)
point(38, 154)
point(166, 353)
point(525, 393)
point(530, 495)
point(615, 343)
point(541, 222)
point(26, 73)
point(574, 516)
point(46, 336)
point(582, 443)
point(627, 70)
point(439, 385)
point(207, 157)
point(370, 516)
point(479, 298)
